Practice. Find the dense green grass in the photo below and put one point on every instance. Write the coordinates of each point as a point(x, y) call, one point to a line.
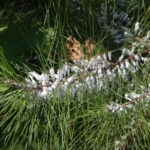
point(29, 122)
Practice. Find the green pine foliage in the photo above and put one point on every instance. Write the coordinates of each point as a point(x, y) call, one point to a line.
point(32, 38)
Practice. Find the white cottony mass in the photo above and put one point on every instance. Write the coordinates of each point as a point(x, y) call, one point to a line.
point(137, 27)
point(95, 74)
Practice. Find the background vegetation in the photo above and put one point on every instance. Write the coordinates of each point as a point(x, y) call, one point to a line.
point(33, 37)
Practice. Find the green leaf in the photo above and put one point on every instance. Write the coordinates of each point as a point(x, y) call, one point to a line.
point(3, 28)
point(3, 88)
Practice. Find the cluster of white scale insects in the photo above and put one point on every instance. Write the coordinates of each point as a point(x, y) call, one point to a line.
point(93, 75)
